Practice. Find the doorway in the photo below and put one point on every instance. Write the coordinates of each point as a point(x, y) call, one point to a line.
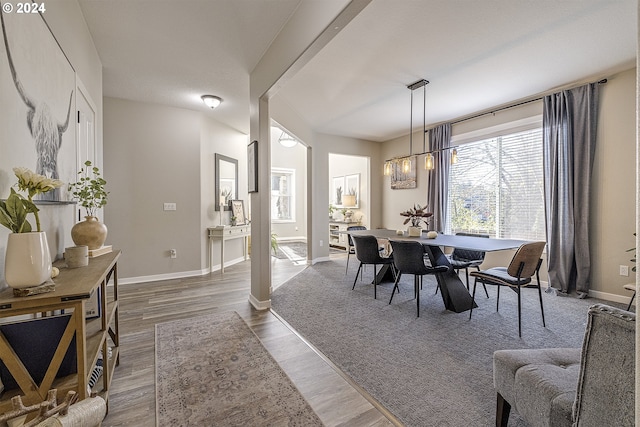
point(288, 205)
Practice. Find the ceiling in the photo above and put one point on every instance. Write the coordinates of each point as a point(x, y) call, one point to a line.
point(477, 55)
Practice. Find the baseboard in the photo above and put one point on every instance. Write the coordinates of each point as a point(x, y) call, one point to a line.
point(320, 259)
point(611, 297)
point(177, 275)
point(259, 305)
point(291, 239)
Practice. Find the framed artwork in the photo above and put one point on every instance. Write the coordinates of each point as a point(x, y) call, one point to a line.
point(38, 88)
point(252, 166)
point(401, 180)
point(237, 210)
point(351, 197)
point(337, 190)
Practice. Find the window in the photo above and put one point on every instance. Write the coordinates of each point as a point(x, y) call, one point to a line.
point(282, 195)
point(497, 187)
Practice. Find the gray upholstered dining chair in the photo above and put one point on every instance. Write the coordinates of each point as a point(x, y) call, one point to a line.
point(368, 252)
point(351, 249)
point(408, 257)
point(524, 264)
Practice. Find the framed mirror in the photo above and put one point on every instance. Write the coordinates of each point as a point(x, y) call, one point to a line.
point(226, 181)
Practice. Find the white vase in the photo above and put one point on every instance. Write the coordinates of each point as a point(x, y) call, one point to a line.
point(414, 231)
point(27, 261)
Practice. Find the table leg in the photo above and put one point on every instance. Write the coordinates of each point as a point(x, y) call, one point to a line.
point(454, 293)
point(222, 256)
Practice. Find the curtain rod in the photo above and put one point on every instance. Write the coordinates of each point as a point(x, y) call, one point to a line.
point(538, 98)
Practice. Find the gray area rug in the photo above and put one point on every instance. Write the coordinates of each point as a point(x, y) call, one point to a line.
point(292, 250)
point(436, 370)
point(213, 371)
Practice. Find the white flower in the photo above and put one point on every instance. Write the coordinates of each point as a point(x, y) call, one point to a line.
point(35, 183)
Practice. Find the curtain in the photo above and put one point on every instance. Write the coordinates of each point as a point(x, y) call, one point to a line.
point(569, 140)
point(438, 178)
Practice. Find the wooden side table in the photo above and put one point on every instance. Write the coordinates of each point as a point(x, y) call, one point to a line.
point(74, 288)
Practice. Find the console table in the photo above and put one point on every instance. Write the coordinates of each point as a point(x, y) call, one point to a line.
point(73, 289)
point(224, 233)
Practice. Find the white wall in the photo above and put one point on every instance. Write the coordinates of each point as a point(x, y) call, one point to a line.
point(70, 30)
point(156, 154)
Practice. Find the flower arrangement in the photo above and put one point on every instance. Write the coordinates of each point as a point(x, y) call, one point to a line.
point(89, 190)
point(14, 210)
point(416, 215)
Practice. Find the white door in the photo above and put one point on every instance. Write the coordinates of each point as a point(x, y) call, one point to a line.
point(86, 133)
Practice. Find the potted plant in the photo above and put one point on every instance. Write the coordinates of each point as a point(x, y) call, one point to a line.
point(416, 215)
point(331, 210)
point(27, 257)
point(90, 191)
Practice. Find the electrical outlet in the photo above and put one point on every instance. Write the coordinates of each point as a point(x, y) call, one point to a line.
point(624, 270)
point(173, 253)
point(169, 207)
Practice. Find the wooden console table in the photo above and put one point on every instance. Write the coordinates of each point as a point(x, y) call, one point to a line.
point(74, 287)
point(224, 233)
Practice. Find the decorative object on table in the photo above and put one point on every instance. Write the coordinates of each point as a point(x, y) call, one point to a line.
point(234, 221)
point(416, 215)
point(77, 256)
point(331, 210)
point(27, 257)
point(90, 192)
point(104, 249)
point(252, 166)
point(432, 234)
point(45, 409)
point(237, 211)
point(347, 215)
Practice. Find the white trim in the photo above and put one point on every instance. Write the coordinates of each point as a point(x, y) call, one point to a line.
point(259, 305)
point(177, 275)
point(610, 297)
point(498, 130)
point(320, 259)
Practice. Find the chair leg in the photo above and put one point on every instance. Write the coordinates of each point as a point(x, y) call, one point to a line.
point(438, 287)
point(375, 282)
point(473, 297)
point(502, 411)
point(631, 302)
point(484, 285)
point(347, 269)
point(415, 284)
point(498, 298)
point(356, 279)
point(466, 273)
point(541, 307)
point(519, 312)
point(395, 286)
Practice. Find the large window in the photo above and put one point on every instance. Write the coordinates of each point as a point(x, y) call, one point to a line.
point(282, 195)
point(497, 187)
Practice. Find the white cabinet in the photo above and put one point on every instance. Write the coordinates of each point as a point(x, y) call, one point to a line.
point(337, 237)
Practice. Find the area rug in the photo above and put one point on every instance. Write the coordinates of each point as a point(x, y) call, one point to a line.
point(293, 250)
point(435, 370)
point(213, 370)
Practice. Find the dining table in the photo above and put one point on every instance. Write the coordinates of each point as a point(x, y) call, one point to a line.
point(455, 294)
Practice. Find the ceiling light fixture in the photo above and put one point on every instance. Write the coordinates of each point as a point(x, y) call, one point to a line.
point(390, 165)
point(287, 140)
point(211, 101)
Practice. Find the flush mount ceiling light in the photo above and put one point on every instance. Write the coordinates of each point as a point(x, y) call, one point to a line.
point(211, 101)
point(287, 140)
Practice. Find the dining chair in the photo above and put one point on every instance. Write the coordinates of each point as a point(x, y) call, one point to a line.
point(408, 257)
point(351, 249)
point(466, 258)
point(524, 264)
point(367, 252)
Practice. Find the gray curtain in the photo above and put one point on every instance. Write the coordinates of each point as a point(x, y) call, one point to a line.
point(569, 139)
point(438, 178)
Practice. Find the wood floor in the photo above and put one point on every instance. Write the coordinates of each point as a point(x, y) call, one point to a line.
point(333, 397)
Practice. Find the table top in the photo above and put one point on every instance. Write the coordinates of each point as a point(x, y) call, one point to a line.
point(453, 241)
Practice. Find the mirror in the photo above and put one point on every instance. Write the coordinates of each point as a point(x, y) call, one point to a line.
point(226, 181)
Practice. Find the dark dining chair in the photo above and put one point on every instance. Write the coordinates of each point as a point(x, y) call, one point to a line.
point(367, 252)
point(465, 259)
point(351, 249)
point(524, 264)
point(408, 257)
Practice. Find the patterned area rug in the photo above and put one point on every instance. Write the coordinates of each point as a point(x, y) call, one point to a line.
point(213, 370)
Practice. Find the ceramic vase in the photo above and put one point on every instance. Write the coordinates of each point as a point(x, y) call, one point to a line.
point(27, 261)
point(414, 231)
point(90, 232)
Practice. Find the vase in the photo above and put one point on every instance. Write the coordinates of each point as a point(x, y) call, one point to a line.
point(27, 260)
point(414, 231)
point(90, 232)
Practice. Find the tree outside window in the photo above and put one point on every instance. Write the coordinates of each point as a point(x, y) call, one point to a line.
point(282, 194)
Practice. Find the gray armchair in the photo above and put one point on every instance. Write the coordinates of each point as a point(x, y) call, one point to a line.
point(592, 386)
